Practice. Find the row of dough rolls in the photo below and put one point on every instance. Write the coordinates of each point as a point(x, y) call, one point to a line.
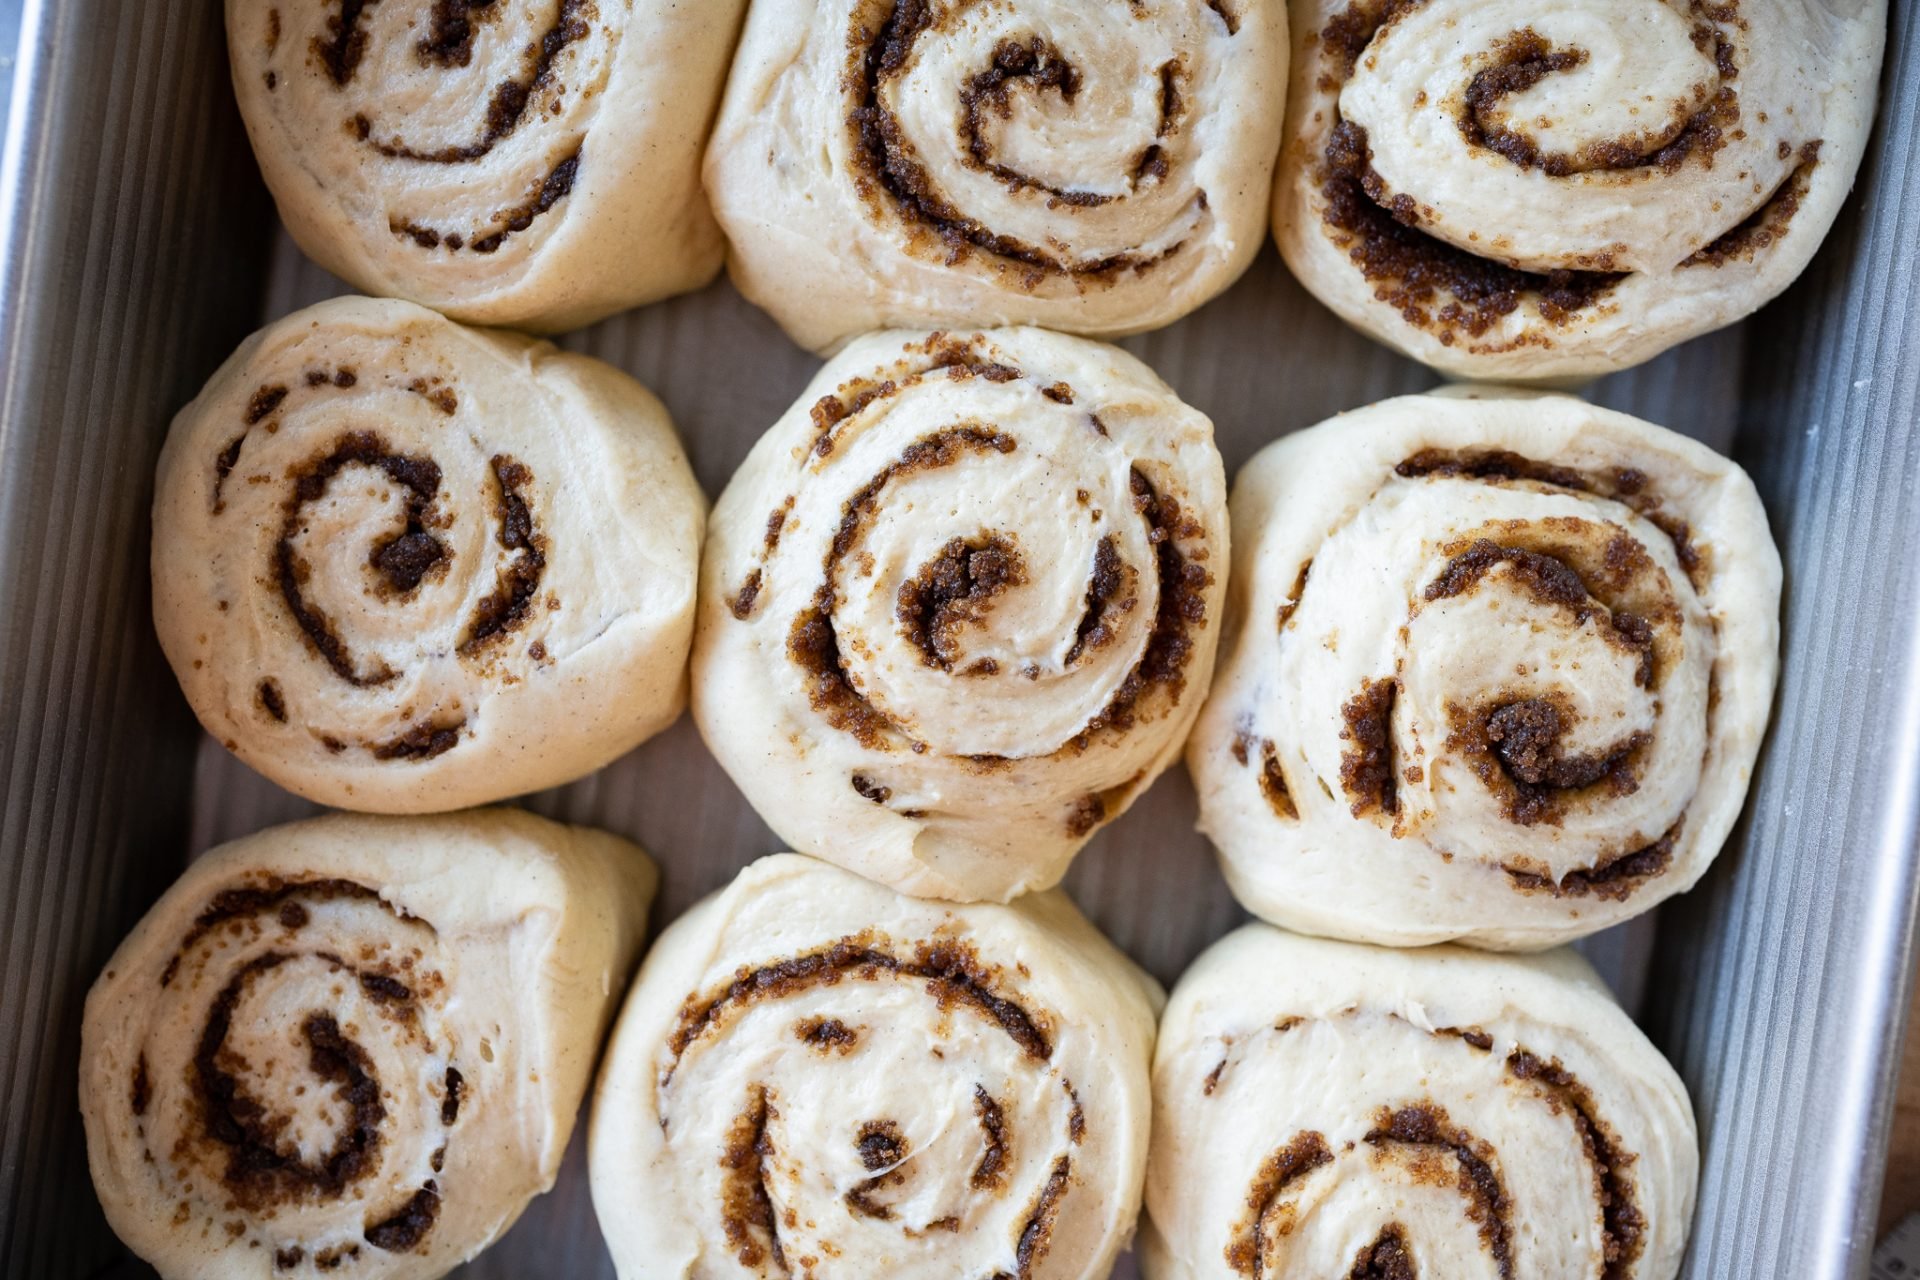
point(1497, 664)
point(959, 607)
point(1503, 190)
point(538, 163)
point(356, 1046)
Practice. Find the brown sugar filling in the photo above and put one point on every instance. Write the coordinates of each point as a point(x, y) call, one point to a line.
point(541, 198)
point(1099, 624)
point(1247, 1248)
point(418, 477)
point(1513, 748)
point(813, 644)
point(953, 974)
point(403, 1232)
point(1488, 1206)
point(992, 1169)
point(449, 38)
point(511, 601)
point(1473, 1172)
point(1614, 880)
point(1366, 763)
point(827, 1034)
point(1622, 1225)
point(423, 741)
point(1182, 611)
point(746, 1209)
point(1552, 581)
point(1765, 225)
point(259, 1170)
point(1389, 1257)
point(1273, 783)
point(955, 590)
point(881, 1146)
point(506, 106)
point(1624, 485)
point(1036, 1236)
point(952, 971)
point(1524, 58)
point(1434, 284)
point(271, 701)
point(284, 898)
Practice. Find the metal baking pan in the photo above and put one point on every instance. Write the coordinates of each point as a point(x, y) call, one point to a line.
point(137, 247)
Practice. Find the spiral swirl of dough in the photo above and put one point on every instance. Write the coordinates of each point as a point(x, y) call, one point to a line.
point(815, 1076)
point(354, 1045)
point(959, 606)
point(532, 163)
point(1498, 669)
point(402, 566)
point(1325, 1109)
point(1537, 192)
point(1094, 168)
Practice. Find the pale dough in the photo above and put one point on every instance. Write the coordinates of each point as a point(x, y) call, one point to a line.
point(1497, 668)
point(355, 1042)
point(1677, 164)
point(401, 566)
point(959, 606)
point(510, 163)
point(815, 1075)
point(1324, 1109)
point(1100, 169)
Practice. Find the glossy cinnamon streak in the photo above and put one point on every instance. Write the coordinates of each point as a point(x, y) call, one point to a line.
point(882, 40)
point(401, 562)
point(257, 1170)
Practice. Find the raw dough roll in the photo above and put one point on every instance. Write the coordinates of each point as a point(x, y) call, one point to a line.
point(354, 1045)
point(1048, 162)
point(402, 566)
point(1510, 189)
point(510, 162)
point(1499, 665)
point(815, 1076)
point(959, 606)
point(1323, 1109)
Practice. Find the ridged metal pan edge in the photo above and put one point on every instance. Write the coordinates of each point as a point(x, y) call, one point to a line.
point(1781, 983)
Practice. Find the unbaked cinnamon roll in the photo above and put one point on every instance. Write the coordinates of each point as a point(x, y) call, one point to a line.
point(959, 606)
point(1498, 668)
point(1323, 1109)
point(1094, 169)
point(401, 566)
point(815, 1076)
point(533, 163)
point(1536, 191)
point(354, 1046)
